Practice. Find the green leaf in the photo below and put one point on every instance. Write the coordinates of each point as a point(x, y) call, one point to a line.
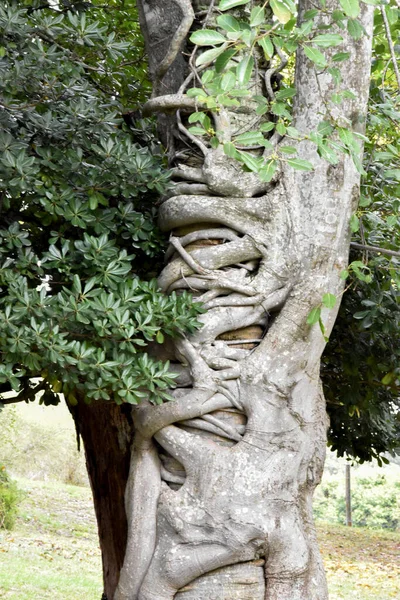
point(389, 377)
point(250, 138)
point(327, 40)
point(285, 93)
point(340, 56)
point(351, 8)
point(207, 37)
point(355, 29)
point(267, 46)
point(249, 160)
point(310, 14)
point(280, 109)
point(324, 128)
point(267, 126)
point(329, 300)
point(228, 23)
point(228, 81)
point(315, 56)
point(328, 154)
point(281, 128)
point(194, 92)
point(223, 59)
point(354, 223)
point(197, 131)
point(209, 55)
point(214, 142)
point(300, 164)
point(228, 4)
point(207, 76)
point(230, 149)
point(267, 172)
point(314, 316)
point(281, 11)
point(257, 16)
point(287, 149)
point(245, 69)
point(361, 314)
point(160, 337)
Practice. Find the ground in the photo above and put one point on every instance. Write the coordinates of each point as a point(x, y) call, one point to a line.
point(53, 552)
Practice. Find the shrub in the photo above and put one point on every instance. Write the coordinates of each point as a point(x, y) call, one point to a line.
point(9, 499)
point(375, 501)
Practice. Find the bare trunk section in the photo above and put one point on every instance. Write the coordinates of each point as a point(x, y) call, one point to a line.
point(106, 432)
point(219, 498)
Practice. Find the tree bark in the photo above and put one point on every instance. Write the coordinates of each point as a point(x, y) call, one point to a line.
point(219, 496)
point(106, 432)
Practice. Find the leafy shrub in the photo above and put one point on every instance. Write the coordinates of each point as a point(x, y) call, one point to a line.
point(375, 502)
point(9, 499)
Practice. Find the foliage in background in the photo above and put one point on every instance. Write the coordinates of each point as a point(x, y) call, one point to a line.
point(375, 501)
point(39, 443)
point(361, 363)
point(77, 205)
point(9, 499)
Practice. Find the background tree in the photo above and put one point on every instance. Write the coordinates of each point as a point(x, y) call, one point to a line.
point(84, 158)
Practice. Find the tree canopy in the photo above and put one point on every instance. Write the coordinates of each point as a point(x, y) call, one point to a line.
point(80, 175)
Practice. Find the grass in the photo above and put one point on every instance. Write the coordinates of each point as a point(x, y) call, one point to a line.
point(361, 564)
point(53, 552)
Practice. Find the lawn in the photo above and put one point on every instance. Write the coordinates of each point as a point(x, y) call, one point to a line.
point(53, 551)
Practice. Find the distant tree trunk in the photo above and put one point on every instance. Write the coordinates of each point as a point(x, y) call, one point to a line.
point(106, 432)
point(349, 520)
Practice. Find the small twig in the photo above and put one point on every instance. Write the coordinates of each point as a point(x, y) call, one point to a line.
point(374, 249)
point(191, 137)
point(391, 46)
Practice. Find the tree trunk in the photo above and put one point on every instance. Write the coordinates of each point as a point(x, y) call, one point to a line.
point(219, 496)
point(106, 432)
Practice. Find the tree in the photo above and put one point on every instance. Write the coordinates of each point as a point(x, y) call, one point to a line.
point(245, 508)
point(256, 237)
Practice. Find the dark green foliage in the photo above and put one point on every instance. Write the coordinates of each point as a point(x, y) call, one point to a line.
point(361, 369)
point(361, 366)
point(9, 499)
point(77, 206)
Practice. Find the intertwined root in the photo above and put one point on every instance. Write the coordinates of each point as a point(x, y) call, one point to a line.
point(231, 452)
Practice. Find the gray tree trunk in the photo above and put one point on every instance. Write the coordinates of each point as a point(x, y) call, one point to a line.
point(219, 497)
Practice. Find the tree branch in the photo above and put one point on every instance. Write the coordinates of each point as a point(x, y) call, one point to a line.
point(391, 46)
point(375, 249)
point(178, 37)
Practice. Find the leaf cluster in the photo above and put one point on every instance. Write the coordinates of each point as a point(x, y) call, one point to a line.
point(77, 207)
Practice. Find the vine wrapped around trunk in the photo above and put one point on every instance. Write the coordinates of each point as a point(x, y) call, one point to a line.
point(219, 497)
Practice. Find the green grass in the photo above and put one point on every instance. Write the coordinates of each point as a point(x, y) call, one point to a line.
point(361, 564)
point(53, 552)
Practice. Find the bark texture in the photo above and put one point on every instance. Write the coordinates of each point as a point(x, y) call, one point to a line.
point(219, 497)
point(106, 432)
